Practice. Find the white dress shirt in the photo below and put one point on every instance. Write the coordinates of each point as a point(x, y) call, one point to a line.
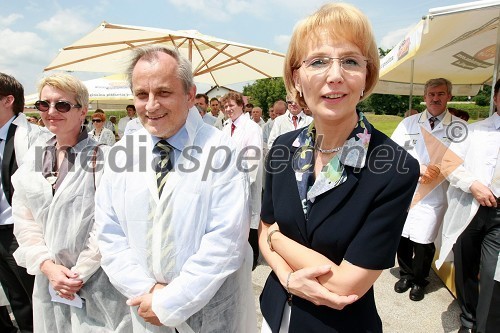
point(5, 209)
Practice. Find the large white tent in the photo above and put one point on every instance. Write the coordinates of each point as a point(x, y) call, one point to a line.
point(460, 43)
point(109, 92)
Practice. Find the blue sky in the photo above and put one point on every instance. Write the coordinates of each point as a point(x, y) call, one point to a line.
point(32, 32)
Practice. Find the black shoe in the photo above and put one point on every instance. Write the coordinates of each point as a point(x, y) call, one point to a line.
point(417, 293)
point(402, 285)
point(464, 329)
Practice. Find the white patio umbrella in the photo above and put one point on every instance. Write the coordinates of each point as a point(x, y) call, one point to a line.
point(215, 61)
point(460, 43)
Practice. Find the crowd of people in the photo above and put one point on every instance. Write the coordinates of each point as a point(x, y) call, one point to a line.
point(154, 223)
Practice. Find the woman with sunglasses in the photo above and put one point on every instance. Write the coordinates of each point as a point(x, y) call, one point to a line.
point(337, 192)
point(100, 133)
point(53, 209)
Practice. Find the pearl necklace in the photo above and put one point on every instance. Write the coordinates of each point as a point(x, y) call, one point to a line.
point(328, 151)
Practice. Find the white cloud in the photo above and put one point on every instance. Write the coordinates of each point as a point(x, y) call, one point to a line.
point(11, 18)
point(217, 10)
point(392, 38)
point(65, 25)
point(23, 55)
point(17, 47)
point(224, 10)
point(300, 8)
point(282, 42)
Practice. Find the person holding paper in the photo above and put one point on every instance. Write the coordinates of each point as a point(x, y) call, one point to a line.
point(53, 210)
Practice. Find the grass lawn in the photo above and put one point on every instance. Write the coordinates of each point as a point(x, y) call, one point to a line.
point(385, 124)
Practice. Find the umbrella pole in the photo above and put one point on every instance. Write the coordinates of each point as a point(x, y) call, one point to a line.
point(411, 87)
point(495, 73)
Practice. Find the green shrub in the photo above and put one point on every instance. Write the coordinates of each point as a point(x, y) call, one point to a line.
point(482, 100)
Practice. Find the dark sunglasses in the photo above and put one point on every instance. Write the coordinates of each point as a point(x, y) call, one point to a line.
point(290, 102)
point(61, 106)
point(96, 120)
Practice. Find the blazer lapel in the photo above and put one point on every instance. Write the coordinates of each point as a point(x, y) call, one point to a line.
point(329, 202)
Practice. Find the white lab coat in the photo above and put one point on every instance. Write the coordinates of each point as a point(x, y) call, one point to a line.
point(283, 124)
point(425, 217)
point(193, 238)
point(247, 137)
point(479, 152)
point(60, 227)
point(26, 136)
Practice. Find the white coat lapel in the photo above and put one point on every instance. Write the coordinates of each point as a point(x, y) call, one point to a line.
point(75, 169)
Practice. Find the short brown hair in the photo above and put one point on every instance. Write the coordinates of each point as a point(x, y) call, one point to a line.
point(10, 86)
point(235, 96)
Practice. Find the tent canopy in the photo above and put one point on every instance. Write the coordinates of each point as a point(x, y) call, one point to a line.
point(457, 42)
point(106, 92)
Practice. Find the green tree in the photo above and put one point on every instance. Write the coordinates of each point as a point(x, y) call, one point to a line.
point(265, 92)
point(389, 104)
point(483, 96)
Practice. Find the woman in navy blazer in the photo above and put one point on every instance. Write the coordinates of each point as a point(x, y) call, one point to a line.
point(339, 190)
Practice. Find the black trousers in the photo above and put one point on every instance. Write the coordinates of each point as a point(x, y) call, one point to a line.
point(253, 239)
point(415, 260)
point(476, 253)
point(16, 282)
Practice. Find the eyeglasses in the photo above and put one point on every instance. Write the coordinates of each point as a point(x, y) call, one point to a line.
point(290, 102)
point(350, 64)
point(96, 120)
point(61, 106)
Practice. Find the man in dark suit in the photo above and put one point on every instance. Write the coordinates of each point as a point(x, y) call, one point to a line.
point(16, 135)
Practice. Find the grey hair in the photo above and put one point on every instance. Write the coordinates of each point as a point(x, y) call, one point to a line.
point(150, 53)
point(438, 82)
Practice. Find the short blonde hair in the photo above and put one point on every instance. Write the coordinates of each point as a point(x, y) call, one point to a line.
point(342, 22)
point(69, 84)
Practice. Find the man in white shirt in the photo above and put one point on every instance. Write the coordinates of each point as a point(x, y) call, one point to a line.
point(201, 102)
point(247, 136)
point(416, 248)
point(266, 130)
point(173, 225)
point(132, 126)
point(471, 226)
point(122, 123)
point(16, 136)
point(294, 118)
point(216, 112)
point(257, 116)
